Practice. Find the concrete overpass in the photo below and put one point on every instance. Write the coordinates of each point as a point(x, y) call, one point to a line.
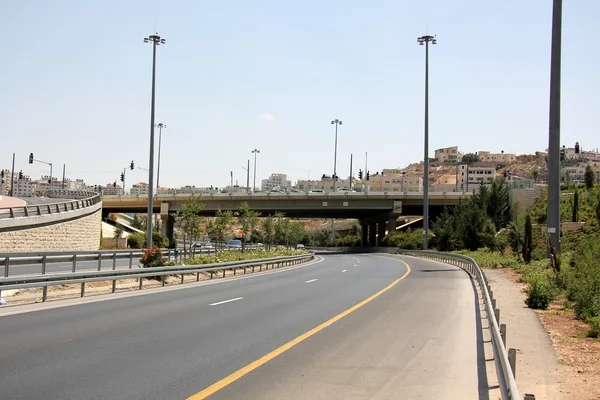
point(376, 211)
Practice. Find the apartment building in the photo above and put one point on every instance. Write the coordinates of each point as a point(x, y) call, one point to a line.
point(25, 187)
point(448, 154)
point(470, 177)
point(502, 157)
point(576, 173)
point(391, 183)
point(274, 180)
point(139, 189)
point(325, 184)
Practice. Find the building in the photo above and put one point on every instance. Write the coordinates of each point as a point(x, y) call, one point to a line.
point(576, 173)
point(391, 183)
point(470, 177)
point(502, 157)
point(5, 182)
point(274, 180)
point(25, 187)
point(325, 184)
point(448, 154)
point(445, 183)
point(139, 189)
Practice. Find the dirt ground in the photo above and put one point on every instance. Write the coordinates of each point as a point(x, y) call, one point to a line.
point(579, 355)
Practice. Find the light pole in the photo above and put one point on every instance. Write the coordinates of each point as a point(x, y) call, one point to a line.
point(255, 151)
point(335, 122)
point(156, 41)
point(247, 177)
point(31, 160)
point(426, 40)
point(553, 213)
point(160, 127)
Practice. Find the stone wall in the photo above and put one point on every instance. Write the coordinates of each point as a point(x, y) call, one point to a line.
point(79, 233)
point(523, 198)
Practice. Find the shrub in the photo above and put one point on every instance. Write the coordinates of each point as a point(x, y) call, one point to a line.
point(540, 292)
point(152, 258)
point(138, 240)
point(409, 240)
point(594, 331)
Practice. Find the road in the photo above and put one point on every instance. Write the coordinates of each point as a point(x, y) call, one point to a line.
point(51, 268)
point(415, 337)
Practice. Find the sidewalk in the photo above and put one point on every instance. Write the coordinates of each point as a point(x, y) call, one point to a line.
point(538, 369)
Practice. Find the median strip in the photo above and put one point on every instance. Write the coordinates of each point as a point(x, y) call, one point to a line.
point(226, 301)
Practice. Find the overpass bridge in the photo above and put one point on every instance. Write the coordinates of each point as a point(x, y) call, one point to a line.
point(376, 211)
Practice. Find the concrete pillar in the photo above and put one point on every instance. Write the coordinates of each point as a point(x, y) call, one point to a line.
point(167, 228)
point(381, 227)
point(372, 233)
point(363, 234)
point(391, 225)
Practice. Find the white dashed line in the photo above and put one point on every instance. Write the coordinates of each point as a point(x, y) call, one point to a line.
point(312, 280)
point(226, 301)
point(344, 270)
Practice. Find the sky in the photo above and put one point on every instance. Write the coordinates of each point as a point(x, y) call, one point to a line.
point(233, 76)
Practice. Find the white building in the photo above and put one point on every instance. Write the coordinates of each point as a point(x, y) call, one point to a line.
point(576, 173)
point(325, 184)
point(280, 180)
point(140, 188)
point(112, 190)
point(470, 177)
point(502, 157)
point(25, 187)
point(448, 154)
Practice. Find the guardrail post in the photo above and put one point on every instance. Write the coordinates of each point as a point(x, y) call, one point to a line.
point(164, 278)
point(493, 304)
point(130, 260)
point(6, 266)
point(114, 282)
point(497, 315)
point(211, 274)
point(512, 360)
point(99, 261)
point(197, 276)
point(141, 283)
point(234, 271)
point(223, 273)
point(44, 261)
point(529, 396)
point(39, 210)
point(74, 263)
point(503, 333)
point(82, 289)
point(182, 275)
point(49, 209)
point(44, 293)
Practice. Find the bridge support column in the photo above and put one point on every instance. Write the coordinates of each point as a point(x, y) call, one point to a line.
point(381, 225)
point(391, 225)
point(363, 234)
point(167, 228)
point(372, 234)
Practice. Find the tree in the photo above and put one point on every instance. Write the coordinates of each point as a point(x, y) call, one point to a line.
point(575, 216)
point(118, 234)
point(535, 173)
point(589, 177)
point(282, 226)
point(498, 203)
point(223, 221)
point(598, 208)
point(248, 219)
point(527, 240)
point(268, 227)
point(138, 223)
point(470, 158)
point(189, 221)
point(296, 232)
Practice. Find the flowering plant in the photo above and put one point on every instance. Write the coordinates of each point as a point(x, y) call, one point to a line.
point(152, 258)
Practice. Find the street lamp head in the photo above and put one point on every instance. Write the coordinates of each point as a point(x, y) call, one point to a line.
point(155, 39)
point(426, 38)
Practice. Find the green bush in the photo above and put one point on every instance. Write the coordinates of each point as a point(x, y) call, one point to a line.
point(594, 331)
point(583, 286)
point(227, 256)
point(541, 291)
point(138, 240)
point(152, 258)
point(348, 241)
point(409, 240)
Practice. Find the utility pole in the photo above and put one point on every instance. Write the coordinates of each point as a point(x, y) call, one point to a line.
point(12, 177)
point(553, 210)
point(63, 181)
point(255, 151)
point(350, 171)
point(156, 41)
point(426, 40)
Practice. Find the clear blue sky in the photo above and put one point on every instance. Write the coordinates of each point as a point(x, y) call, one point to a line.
point(75, 83)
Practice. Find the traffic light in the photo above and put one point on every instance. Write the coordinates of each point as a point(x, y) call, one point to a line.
point(20, 174)
point(576, 147)
point(562, 155)
point(360, 174)
point(368, 175)
point(115, 184)
point(122, 177)
point(2, 173)
point(132, 165)
point(505, 174)
point(30, 158)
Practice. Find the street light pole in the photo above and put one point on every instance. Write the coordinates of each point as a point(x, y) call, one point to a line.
point(335, 122)
point(156, 41)
point(255, 151)
point(426, 40)
point(160, 127)
point(553, 212)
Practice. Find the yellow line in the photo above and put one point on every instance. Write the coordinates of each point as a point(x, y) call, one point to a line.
point(215, 387)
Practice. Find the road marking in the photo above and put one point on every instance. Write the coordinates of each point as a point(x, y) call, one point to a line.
point(215, 387)
point(355, 265)
point(344, 270)
point(312, 280)
point(226, 301)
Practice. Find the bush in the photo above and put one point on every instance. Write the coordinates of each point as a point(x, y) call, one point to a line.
point(348, 241)
point(540, 292)
point(594, 331)
point(227, 256)
point(409, 240)
point(583, 286)
point(152, 258)
point(138, 240)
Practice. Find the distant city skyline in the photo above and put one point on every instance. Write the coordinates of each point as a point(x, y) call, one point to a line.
point(236, 76)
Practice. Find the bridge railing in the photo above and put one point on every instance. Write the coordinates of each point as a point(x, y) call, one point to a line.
point(44, 281)
point(505, 360)
point(81, 200)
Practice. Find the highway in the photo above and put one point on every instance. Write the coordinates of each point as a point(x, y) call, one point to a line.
point(346, 326)
point(52, 268)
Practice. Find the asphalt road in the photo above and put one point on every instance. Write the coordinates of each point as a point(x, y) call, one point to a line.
point(31, 201)
point(52, 268)
point(417, 339)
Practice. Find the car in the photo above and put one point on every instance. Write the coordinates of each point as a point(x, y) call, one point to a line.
point(316, 191)
point(234, 244)
point(300, 246)
point(346, 190)
point(202, 245)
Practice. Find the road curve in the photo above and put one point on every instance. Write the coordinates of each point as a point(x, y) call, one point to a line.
point(417, 339)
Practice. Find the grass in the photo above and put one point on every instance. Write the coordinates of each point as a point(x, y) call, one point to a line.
point(229, 256)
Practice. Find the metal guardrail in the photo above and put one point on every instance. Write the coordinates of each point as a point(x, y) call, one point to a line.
point(505, 361)
point(22, 282)
point(83, 199)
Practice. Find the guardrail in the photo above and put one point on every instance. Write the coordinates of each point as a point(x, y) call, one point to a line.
point(22, 282)
point(82, 200)
point(505, 360)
